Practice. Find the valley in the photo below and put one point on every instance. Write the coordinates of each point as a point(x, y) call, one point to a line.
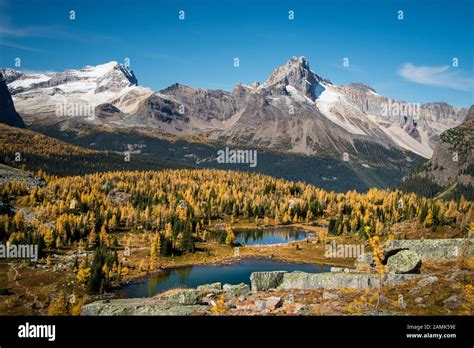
point(98, 232)
point(325, 171)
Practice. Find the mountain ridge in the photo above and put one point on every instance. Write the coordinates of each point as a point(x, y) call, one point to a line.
point(294, 109)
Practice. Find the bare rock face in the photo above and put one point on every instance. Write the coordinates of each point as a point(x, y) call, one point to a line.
point(210, 287)
point(10, 75)
point(204, 104)
point(422, 122)
point(428, 281)
point(406, 255)
point(273, 302)
point(442, 111)
point(236, 290)
point(365, 260)
point(187, 297)
point(8, 114)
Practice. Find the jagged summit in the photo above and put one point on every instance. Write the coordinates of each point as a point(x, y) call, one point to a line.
point(297, 74)
point(112, 70)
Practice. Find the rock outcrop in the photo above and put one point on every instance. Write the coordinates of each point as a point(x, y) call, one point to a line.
point(432, 249)
point(236, 290)
point(140, 306)
point(405, 256)
point(333, 281)
point(210, 287)
point(405, 261)
point(266, 280)
point(187, 297)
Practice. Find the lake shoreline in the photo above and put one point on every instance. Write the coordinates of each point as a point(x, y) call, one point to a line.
point(225, 262)
point(274, 252)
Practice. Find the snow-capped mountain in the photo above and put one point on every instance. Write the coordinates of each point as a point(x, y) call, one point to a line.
point(294, 110)
point(297, 110)
point(51, 96)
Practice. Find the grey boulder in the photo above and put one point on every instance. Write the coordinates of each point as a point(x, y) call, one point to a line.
point(261, 281)
point(405, 261)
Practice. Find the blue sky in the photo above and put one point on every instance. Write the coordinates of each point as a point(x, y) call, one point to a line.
point(409, 59)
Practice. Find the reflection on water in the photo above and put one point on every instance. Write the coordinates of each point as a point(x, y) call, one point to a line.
point(271, 235)
point(191, 277)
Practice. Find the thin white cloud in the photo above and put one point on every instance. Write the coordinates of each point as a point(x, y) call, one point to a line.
point(54, 32)
point(21, 47)
point(26, 32)
point(440, 76)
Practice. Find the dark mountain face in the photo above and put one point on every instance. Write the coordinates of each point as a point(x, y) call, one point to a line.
point(8, 114)
point(157, 109)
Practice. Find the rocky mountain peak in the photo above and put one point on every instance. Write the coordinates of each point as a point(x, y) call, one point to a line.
point(295, 73)
point(120, 74)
